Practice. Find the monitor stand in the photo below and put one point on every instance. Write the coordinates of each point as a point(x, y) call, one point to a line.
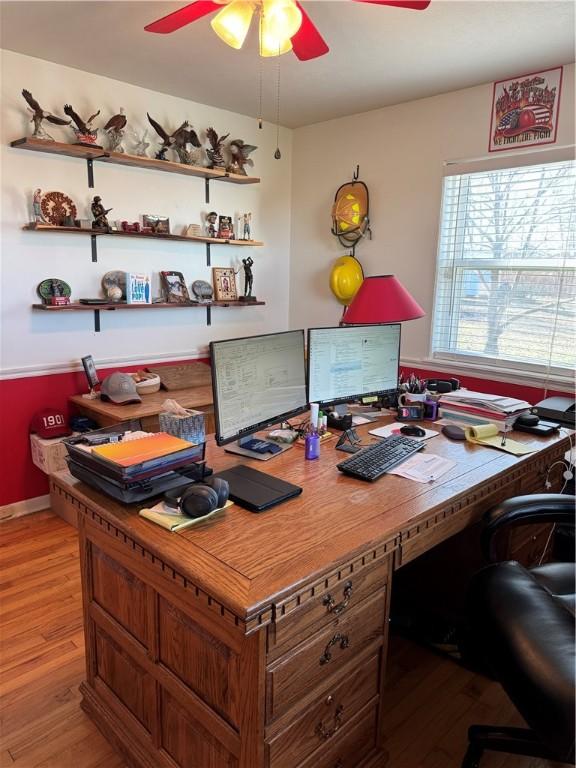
point(243, 448)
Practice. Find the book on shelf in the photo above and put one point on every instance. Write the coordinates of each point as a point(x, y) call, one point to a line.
point(491, 403)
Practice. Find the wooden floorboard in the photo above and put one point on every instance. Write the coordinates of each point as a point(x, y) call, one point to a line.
point(429, 702)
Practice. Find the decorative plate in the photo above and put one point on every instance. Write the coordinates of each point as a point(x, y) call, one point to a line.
point(56, 206)
point(114, 279)
point(53, 286)
point(202, 290)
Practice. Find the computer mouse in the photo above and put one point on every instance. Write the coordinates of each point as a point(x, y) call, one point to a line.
point(410, 430)
point(454, 432)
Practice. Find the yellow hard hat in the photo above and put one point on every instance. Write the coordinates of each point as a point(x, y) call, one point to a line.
point(345, 279)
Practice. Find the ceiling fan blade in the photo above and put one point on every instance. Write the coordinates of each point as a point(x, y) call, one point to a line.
point(308, 43)
point(183, 16)
point(415, 5)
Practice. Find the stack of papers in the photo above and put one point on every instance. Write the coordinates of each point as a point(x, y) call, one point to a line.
point(493, 403)
point(423, 467)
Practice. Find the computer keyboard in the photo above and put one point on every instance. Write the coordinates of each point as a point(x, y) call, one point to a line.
point(372, 462)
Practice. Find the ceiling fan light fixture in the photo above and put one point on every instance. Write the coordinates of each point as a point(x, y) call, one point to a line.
point(280, 20)
point(232, 23)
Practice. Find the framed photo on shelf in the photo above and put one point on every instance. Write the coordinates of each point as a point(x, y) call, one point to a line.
point(224, 280)
point(90, 371)
point(160, 225)
point(174, 287)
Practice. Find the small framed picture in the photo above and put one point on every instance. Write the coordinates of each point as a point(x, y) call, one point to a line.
point(224, 280)
point(174, 287)
point(160, 225)
point(90, 371)
point(225, 231)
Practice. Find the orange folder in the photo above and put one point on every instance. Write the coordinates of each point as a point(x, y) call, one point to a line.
point(131, 452)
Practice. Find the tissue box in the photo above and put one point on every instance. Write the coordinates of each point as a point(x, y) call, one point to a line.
point(48, 455)
point(189, 427)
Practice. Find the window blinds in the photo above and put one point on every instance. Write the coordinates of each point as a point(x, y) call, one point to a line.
point(506, 268)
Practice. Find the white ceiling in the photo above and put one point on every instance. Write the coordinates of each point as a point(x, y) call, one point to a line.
point(379, 55)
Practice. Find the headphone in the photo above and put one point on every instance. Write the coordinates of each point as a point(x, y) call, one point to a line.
point(567, 465)
point(199, 499)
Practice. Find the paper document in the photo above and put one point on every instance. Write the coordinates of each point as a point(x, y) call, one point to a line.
point(495, 403)
point(488, 434)
point(423, 467)
point(169, 518)
point(393, 429)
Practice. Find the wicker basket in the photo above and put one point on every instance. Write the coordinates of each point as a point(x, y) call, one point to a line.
point(189, 427)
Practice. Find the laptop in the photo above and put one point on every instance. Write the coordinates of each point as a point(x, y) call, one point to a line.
point(256, 490)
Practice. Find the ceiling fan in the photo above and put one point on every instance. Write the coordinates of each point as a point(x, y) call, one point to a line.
point(283, 24)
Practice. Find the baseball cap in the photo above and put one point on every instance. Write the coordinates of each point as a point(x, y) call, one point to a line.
point(119, 388)
point(50, 422)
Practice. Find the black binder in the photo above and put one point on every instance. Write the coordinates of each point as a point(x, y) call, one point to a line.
point(256, 490)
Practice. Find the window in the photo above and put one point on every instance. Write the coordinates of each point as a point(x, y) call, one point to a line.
point(506, 271)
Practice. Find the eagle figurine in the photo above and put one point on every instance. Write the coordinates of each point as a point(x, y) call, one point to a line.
point(215, 153)
point(39, 115)
point(178, 140)
point(84, 131)
point(167, 139)
point(239, 152)
point(115, 130)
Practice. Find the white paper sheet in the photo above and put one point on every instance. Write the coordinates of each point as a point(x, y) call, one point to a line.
point(423, 467)
point(391, 429)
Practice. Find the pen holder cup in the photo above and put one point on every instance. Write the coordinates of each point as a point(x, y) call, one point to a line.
point(189, 427)
point(410, 398)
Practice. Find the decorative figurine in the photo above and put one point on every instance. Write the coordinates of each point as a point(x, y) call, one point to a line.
point(99, 214)
point(202, 291)
point(210, 224)
point(225, 231)
point(38, 115)
point(54, 291)
point(216, 144)
point(239, 153)
point(178, 141)
point(248, 280)
point(243, 231)
point(36, 207)
point(84, 131)
point(115, 130)
point(182, 137)
point(139, 142)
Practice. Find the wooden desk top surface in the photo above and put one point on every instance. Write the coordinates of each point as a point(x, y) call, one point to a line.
point(248, 560)
point(193, 397)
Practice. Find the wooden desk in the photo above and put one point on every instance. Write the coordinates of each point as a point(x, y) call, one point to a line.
point(259, 641)
point(106, 414)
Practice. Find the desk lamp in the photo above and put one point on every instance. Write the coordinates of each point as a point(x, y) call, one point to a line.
point(381, 299)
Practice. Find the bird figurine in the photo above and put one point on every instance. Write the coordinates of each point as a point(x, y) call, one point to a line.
point(39, 115)
point(115, 130)
point(167, 139)
point(215, 152)
point(140, 143)
point(184, 136)
point(239, 156)
point(84, 131)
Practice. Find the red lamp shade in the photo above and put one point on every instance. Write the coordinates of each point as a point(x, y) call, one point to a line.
point(382, 299)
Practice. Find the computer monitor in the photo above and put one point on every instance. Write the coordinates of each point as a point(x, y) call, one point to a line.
point(352, 361)
point(258, 381)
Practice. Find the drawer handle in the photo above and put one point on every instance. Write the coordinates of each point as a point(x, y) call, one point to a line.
point(326, 733)
point(338, 638)
point(337, 608)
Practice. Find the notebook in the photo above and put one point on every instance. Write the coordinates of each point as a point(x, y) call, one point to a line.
point(256, 490)
point(145, 449)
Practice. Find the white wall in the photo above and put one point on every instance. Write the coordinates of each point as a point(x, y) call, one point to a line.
point(401, 151)
point(33, 342)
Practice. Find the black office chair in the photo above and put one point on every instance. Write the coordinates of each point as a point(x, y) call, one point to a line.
point(523, 620)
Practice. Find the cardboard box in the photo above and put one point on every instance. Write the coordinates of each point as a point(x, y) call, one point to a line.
point(48, 455)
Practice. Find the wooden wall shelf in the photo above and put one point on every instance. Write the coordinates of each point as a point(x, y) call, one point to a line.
point(97, 308)
point(120, 158)
point(94, 233)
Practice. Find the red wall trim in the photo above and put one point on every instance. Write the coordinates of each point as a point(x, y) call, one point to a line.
point(21, 398)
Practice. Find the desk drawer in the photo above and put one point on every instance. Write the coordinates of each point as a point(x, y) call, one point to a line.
point(324, 654)
point(297, 617)
point(329, 714)
point(351, 747)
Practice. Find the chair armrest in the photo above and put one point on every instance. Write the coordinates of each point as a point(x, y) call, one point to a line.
point(536, 508)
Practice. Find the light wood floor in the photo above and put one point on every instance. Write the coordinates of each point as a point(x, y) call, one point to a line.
point(429, 703)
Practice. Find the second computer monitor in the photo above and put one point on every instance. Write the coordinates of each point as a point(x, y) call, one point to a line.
point(352, 361)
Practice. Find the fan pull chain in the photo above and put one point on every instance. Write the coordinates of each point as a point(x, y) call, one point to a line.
point(278, 154)
point(260, 66)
